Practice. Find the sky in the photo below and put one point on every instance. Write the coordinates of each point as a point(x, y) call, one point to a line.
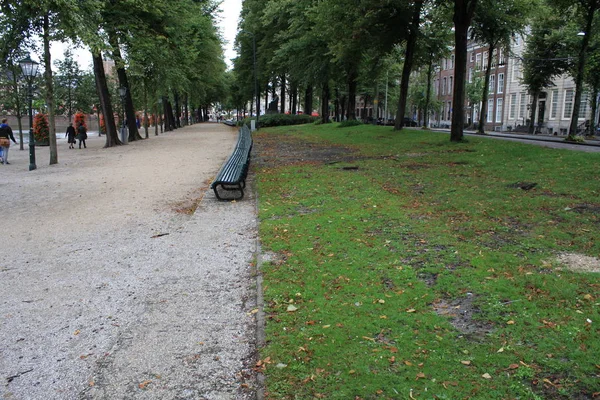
point(227, 23)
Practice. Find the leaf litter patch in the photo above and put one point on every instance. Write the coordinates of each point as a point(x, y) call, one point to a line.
point(579, 262)
point(462, 314)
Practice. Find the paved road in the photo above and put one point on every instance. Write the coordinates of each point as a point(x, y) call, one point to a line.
point(111, 287)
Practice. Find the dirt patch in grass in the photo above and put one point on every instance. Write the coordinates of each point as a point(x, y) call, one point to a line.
point(278, 150)
point(461, 313)
point(579, 262)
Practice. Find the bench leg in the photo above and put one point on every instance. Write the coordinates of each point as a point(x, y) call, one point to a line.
point(230, 188)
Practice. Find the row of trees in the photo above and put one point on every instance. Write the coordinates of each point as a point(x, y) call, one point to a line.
point(166, 52)
point(342, 48)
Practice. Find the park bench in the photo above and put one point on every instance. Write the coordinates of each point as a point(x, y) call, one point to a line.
point(232, 176)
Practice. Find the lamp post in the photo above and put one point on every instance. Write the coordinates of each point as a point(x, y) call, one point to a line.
point(29, 68)
point(123, 94)
point(256, 94)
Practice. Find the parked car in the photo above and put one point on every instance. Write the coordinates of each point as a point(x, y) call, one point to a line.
point(410, 122)
point(390, 121)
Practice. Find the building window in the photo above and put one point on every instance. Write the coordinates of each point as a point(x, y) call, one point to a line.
point(478, 61)
point(485, 59)
point(522, 105)
point(444, 83)
point(554, 107)
point(445, 63)
point(472, 56)
point(583, 106)
point(501, 60)
point(449, 110)
point(513, 106)
point(568, 104)
point(452, 61)
point(499, 110)
point(492, 84)
point(470, 75)
point(515, 71)
point(494, 56)
point(501, 83)
point(490, 110)
point(450, 85)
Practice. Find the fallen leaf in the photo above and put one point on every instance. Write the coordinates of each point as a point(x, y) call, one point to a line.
point(144, 384)
point(381, 301)
point(326, 326)
point(77, 332)
point(408, 363)
point(511, 322)
point(466, 362)
point(411, 310)
point(291, 308)
point(486, 376)
point(500, 350)
point(420, 375)
point(513, 366)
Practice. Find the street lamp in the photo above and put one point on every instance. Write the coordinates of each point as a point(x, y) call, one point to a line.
point(123, 94)
point(29, 69)
point(256, 94)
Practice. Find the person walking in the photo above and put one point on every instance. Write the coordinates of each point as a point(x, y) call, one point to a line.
point(6, 133)
point(70, 135)
point(82, 135)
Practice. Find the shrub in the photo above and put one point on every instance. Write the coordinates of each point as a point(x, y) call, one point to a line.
point(269, 120)
point(349, 122)
point(41, 129)
point(79, 119)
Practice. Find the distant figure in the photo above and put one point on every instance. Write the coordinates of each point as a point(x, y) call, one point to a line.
point(82, 135)
point(5, 133)
point(70, 135)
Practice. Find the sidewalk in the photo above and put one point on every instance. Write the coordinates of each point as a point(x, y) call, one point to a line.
point(113, 286)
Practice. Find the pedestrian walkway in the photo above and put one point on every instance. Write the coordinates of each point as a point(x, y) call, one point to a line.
point(114, 285)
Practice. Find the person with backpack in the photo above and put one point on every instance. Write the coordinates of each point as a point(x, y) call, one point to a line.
point(82, 135)
point(5, 133)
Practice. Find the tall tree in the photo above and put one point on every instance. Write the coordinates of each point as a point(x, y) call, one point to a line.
point(463, 14)
point(494, 24)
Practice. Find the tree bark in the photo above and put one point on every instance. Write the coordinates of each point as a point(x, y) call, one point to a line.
point(294, 95)
point(282, 97)
point(124, 82)
point(112, 138)
point(427, 96)
point(533, 110)
point(352, 77)
point(408, 63)
point(325, 103)
point(49, 91)
point(463, 13)
point(593, 6)
point(308, 99)
point(486, 91)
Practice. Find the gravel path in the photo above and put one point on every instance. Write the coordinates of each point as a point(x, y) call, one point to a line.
point(111, 287)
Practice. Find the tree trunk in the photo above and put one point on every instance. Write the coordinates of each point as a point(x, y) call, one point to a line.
point(352, 77)
point(124, 82)
point(49, 91)
point(486, 91)
point(282, 97)
point(112, 139)
point(308, 100)
point(593, 122)
point(337, 105)
point(145, 119)
point(463, 13)
point(593, 6)
point(294, 95)
point(427, 95)
point(177, 111)
point(533, 110)
point(325, 103)
point(408, 62)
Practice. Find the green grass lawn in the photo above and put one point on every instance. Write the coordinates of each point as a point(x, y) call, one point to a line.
point(408, 267)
